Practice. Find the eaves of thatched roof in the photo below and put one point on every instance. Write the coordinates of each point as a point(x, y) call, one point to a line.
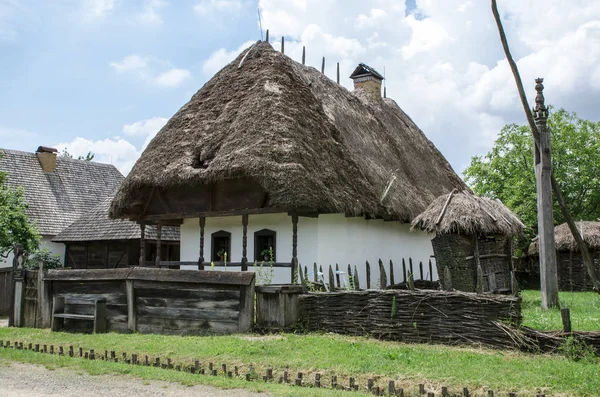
point(95, 225)
point(56, 199)
point(465, 213)
point(589, 231)
point(307, 141)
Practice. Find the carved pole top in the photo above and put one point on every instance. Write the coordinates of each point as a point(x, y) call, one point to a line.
point(540, 112)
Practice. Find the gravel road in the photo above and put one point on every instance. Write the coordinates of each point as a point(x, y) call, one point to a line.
point(26, 380)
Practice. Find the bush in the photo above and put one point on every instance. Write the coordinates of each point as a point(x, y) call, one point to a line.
point(578, 350)
point(50, 261)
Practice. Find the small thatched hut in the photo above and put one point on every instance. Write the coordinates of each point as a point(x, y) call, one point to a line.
point(273, 158)
point(572, 273)
point(471, 231)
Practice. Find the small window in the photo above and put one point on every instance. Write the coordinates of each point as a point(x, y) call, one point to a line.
point(265, 245)
point(221, 246)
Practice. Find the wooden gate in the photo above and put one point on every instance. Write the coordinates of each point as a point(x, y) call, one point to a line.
point(5, 285)
point(31, 313)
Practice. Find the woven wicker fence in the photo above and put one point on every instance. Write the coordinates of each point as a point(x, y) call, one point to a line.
point(413, 316)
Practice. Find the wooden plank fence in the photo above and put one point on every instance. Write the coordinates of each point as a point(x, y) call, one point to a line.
point(5, 285)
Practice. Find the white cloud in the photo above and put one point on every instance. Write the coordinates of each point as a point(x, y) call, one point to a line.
point(147, 69)
point(229, 6)
point(375, 17)
point(426, 36)
point(145, 127)
point(151, 15)
point(130, 62)
point(98, 8)
point(218, 59)
point(172, 78)
point(119, 152)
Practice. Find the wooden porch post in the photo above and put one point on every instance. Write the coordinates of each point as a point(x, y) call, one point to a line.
point(142, 247)
point(244, 242)
point(158, 242)
point(543, 175)
point(294, 246)
point(202, 223)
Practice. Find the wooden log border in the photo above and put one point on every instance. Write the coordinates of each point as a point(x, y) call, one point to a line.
point(206, 368)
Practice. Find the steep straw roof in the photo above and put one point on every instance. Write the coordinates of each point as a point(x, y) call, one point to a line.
point(589, 230)
point(95, 225)
point(307, 141)
point(468, 214)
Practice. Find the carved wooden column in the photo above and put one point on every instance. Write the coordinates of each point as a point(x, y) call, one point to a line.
point(142, 243)
point(158, 242)
point(294, 245)
point(202, 223)
point(244, 242)
point(543, 175)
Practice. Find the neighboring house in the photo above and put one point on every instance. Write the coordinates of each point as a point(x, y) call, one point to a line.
point(96, 242)
point(58, 190)
point(273, 154)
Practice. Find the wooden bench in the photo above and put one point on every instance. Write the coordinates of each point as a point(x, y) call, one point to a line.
point(59, 315)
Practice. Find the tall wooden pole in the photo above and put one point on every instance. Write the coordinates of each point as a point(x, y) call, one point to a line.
point(543, 173)
point(583, 248)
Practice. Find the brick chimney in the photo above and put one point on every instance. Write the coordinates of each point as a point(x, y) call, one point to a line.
point(47, 158)
point(368, 80)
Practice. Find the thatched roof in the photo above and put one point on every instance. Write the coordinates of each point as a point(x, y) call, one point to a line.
point(589, 230)
point(308, 142)
point(95, 225)
point(56, 199)
point(468, 214)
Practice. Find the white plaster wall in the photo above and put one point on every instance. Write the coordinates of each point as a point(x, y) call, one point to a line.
point(328, 239)
point(54, 248)
point(45, 242)
point(357, 240)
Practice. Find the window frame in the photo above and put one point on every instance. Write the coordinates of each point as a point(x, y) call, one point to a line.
point(264, 233)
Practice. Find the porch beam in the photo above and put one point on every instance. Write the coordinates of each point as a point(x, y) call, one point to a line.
point(244, 242)
point(294, 246)
point(202, 223)
point(158, 242)
point(142, 244)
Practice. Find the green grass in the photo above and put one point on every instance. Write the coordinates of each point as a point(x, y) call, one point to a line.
point(584, 306)
point(409, 365)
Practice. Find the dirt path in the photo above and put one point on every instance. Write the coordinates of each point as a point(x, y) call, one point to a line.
point(26, 380)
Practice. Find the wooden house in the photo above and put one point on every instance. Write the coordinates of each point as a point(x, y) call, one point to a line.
point(572, 272)
point(272, 159)
point(96, 242)
point(471, 231)
point(58, 190)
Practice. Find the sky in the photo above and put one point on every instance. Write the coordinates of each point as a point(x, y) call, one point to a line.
point(105, 75)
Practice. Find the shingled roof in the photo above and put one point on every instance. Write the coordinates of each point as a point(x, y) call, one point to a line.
point(96, 226)
point(308, 142)
point(56, 199)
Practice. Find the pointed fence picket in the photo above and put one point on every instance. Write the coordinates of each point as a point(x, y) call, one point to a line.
point(335, 278)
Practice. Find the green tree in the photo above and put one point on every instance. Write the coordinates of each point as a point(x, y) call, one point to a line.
point(506, 172)
point(15, 226)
